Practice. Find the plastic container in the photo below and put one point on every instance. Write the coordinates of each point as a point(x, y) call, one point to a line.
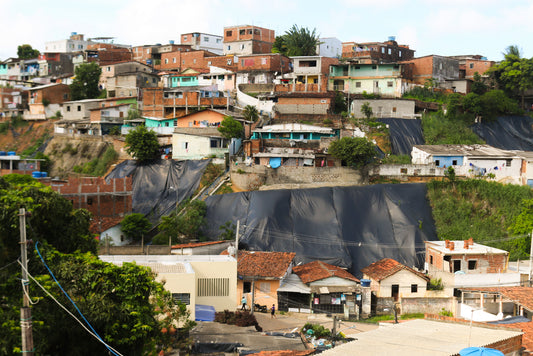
point(36, 174)
point(3, 153)
point(44, 174)
point(12, 153)
point(365, 282)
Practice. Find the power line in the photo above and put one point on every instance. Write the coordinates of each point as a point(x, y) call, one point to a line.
point(9, 264)
point(69, 312)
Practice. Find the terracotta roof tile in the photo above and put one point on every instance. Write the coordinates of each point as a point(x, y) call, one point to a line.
point(197, 244)
point(519, 295)
point(387, 267)
point(264, 264)
point(104, 223)
point(527, 338)
point(317, 270)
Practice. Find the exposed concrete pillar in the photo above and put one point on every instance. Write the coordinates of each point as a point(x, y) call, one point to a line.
point(366, 301)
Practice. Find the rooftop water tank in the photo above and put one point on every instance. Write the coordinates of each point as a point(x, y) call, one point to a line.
point(365, 282)
point(3, 153)
point(171, 41)
point(11, 153)
point(36, 174)
point(392, 38)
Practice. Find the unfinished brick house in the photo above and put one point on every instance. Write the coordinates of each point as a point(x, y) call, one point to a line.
point(437, 67)
point(177, 102)
point(465, 256)
point(261, 68)
point(376, 52)
point(179, 60)
point(246, 40)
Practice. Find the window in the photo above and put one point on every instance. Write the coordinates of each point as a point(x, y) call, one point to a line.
point(166, 60)
point(390, 51)
point(209, 63)
point(206, 39)
point(230, 77)
point(194, 61)
point(242, 62)
point(396, 66)
point(263, 61)
point(183, 61)
point(167, 124)
point(184, 38)
point(250, 32)
point(213, 287)
point(229, 48)
point(174, 60)
point(440, 66)
point(79, 107)
point(68, 108)
point(184, 298)
point(430, 260)
point(358, 84)
point(148, 50)
point(403, 170)
point(242, 32)
point(399, 53)
point(228, 62)
point(437, 162)
point(394, 109)
point(185, 145)
point(218, 40)
point(242, 46)
point(472, 264)
point(471, 65)
point(414, 288)
point(454, 162)
point(374, 67)
point(389, 84)
point(508, 163)
point(229, 33)
point(108, 69)
point(264, 287)
point(214, 143)
point(382, 49)
point(65, 96)
point(246, 287)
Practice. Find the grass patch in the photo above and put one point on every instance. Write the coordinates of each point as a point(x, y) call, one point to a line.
point(379, 318)
point(397, 159)
point(439, 130)
point(98, 166)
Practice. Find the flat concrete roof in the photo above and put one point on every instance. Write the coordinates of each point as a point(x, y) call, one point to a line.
point(421, 337)
point(459, 249)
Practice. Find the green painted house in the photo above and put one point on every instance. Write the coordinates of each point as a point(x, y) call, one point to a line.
point(386, 80)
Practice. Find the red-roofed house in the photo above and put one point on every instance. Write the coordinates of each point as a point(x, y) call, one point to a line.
point(261, 274)
point(320, 287)
point(390, 279)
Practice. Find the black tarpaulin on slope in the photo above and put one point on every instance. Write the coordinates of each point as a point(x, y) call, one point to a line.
point(404, 134)
point(508, 133)
point(349, 227)
point(158, 186)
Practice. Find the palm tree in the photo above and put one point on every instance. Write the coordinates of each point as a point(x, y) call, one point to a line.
point(297, 41)
point(250, 113)
point(512, 50)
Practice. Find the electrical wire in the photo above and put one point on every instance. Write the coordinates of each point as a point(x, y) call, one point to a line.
point(9, 264)
point(70, 313)
point(70, 299)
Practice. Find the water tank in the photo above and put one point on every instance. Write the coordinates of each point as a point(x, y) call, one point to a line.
point(171, 41)
point(392, 38)
point(44, 174)
point(36, 174)
point(3, 153)
point(365, 282)
point(73, 33)
point(11, 153)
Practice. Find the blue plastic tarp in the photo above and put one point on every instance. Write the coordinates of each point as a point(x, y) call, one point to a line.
point(275, 162)
point(204, 312)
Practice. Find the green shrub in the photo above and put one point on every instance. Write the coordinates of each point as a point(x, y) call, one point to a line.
point(435, 284)
point(397, 159)
point(445, 312)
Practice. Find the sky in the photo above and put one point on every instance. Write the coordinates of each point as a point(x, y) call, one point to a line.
point(442, 27)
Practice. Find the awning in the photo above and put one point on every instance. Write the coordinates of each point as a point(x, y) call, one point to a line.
point(294, 284)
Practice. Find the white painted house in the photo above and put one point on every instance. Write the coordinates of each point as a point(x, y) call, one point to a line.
point(198, 143)
point(472, 160)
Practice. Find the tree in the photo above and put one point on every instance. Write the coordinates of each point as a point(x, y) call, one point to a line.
point(227, 231)
point(135, 225)
point(230, 128)
point(339, 103)
point(478, 86)
point(366, 110)
point(85, 83)
point(142, 144)
point(186, 225)
point(250, 113)
point(353, 151)
point(26, 51)
point(297, 41)
point(125, 304)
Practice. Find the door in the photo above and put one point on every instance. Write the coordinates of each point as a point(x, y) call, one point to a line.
point(395, 291)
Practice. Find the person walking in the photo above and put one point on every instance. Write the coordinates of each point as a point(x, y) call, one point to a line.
point(273, 311)
point(243, 301)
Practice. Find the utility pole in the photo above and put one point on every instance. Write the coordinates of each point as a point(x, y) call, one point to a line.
point(253, 296)
point(237, 240)
point(530, 258)
point(334, 331)
point(25, 311)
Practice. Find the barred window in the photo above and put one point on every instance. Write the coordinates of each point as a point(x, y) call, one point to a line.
point(213, 287)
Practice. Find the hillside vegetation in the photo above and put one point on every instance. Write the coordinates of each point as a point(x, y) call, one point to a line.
point(485, 211)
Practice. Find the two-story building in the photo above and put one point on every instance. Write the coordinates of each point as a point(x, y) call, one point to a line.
point(261, 68)
point(44, 100)
point(247, 40)
point(387, 80)
point(435, 67)
point(376, 52)
point(311, 71)
point(203, 41)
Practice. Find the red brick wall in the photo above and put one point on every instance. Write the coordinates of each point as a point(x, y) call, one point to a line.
point(94, 194)
point(267, 62)
point(422, 69)
point(232, 34)
point(154, 104)
point(53, 94)
point(479, 66)
point(194, 59)
point(222, 62)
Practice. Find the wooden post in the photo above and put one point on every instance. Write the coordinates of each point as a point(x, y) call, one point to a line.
point(25, 312)
point(253, 295)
